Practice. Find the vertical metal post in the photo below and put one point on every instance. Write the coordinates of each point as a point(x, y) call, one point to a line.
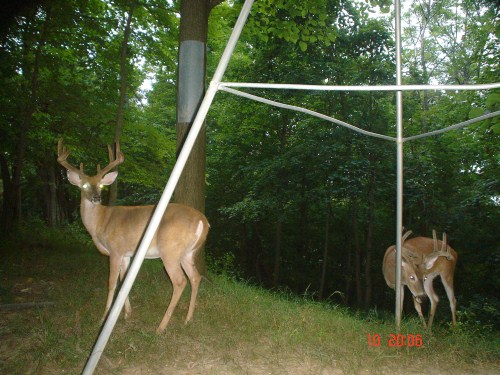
point(167, 193)
point(399, 164)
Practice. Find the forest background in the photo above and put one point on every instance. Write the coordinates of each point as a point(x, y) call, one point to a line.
point(294, 203)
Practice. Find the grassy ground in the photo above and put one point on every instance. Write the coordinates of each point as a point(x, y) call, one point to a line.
point(237, 328)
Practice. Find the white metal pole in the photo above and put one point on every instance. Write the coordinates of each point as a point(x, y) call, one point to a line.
point(167, 193)
point(399, 164)
point(296, 86)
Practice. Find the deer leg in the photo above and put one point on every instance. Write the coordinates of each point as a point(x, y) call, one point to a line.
point(179, 282)
point(418, 307)
point(429, 290)
point(114, 270)
point(448, 286)
point(402, 298)
point(123, 272)
point(189, 266)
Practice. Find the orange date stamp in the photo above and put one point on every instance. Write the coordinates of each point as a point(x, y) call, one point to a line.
point(394, 340)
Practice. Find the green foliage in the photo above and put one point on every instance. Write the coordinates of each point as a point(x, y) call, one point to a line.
point(303, 25)
point(480, 315)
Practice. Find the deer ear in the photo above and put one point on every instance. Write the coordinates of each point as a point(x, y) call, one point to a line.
point(429, 263)
point(74, 177)
point(109, 178)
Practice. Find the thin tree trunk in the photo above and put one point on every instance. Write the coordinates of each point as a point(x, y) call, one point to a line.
point(348, 278)
point(369, 235)
point(113, 191)
point(357, 252)
point(325, 252)
point(50, 195)
point(277, 252)
point(426, 9)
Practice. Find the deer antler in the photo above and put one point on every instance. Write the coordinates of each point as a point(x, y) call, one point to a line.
point(414, 256)
point(113, 162)
point(406, 235)
point(444, 252)
point(62, 156)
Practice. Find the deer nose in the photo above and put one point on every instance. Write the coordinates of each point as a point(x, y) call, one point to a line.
point(96, 199)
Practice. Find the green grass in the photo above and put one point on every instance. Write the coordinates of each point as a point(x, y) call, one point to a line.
point(237, 328)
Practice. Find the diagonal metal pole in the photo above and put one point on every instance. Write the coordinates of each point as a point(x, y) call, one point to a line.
point(399, 163)
point(167, 193)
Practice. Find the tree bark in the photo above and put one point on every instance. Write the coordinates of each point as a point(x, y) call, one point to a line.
point(325, 252)
point(191, 75)
point(277, 253)
point(50, 194)
point(113, 191)
point(190, 91)
point(369, 234)
point(357, 252)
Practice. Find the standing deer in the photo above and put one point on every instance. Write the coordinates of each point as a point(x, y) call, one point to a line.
point(422, 262)
point(117, 230)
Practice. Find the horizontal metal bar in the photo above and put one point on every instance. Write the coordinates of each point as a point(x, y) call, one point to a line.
point(487, 86)
point(304, 110)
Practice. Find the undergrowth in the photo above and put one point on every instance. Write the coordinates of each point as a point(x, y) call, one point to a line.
point(238, 328)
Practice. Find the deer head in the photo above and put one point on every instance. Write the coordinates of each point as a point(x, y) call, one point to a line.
point(90, 186)
point(411, 276)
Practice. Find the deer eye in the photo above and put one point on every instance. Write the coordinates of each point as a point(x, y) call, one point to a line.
point(412, 277)
point(86, 185)
point(101, 186)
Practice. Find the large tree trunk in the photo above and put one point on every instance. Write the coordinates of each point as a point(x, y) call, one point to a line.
point(191, 75)
point(190, 91)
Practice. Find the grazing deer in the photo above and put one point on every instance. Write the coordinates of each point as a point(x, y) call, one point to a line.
point(117, 231)
point(422, 262)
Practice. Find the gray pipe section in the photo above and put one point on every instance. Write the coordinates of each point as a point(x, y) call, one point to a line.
point(167, 194)
point(291, 86)
point(399, 164)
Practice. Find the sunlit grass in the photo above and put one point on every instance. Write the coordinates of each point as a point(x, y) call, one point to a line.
point(237, 328)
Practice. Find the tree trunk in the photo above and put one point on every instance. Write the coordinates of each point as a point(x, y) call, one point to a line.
point(369, 234)
point(357, 252)
point(49, 191)
point(8, 194)
point(190, 91)
point(348, 278)
point(191, 75)
point(325, 252)
point(277, 253)
point(113, 191)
